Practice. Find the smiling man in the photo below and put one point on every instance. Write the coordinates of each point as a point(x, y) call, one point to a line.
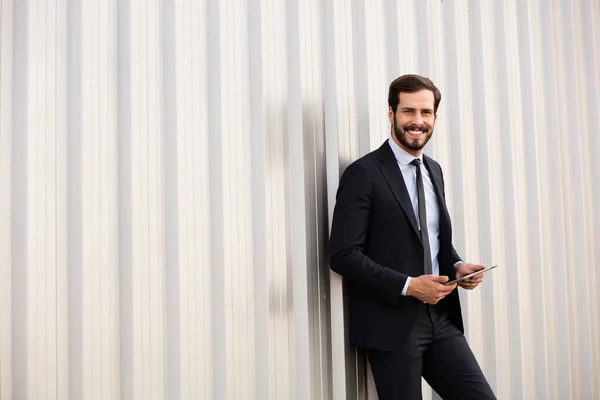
point(391, 240)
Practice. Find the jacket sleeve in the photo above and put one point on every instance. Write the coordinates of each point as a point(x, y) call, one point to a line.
point(455, 257)
point(348, 236)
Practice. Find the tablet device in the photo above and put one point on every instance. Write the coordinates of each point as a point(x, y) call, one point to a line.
point(481, 271)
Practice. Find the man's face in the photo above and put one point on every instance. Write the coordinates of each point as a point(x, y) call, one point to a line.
point(414, 120)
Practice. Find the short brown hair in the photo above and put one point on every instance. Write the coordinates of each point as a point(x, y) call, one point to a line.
point(411, 84)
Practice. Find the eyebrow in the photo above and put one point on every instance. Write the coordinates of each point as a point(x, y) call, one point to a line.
point(412, 108)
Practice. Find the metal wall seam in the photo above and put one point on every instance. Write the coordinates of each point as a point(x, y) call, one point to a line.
point(90, 262)
point(206, 255)
point(259, 94)
point(578, 228)
point(156, 236)
point(201, 210)
point(216, 74)
point(20, 125)
point(112, 370)
point(125, 144)
point(33, 264)
point(6, 219)
point(171, 240)
point(587, 117)
point(54, 138)
point(61, 205)
point(186, 335)
point(590, 36)
point(190, 337)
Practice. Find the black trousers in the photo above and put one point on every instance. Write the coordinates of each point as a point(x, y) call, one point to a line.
point(435, 350)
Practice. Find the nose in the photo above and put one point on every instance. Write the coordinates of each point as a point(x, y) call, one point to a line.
point(418, 118)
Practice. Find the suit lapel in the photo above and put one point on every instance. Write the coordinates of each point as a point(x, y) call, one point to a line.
point(436, 179)
point(393, 176)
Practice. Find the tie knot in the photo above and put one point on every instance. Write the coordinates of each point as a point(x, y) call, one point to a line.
point(416, 162)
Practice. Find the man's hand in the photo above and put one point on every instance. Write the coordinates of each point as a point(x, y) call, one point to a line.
point(463, 269)
point(429, 288)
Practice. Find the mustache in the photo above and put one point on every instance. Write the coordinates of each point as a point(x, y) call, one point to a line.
point(414, 127)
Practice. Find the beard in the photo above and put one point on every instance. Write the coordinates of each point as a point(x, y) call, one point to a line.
point(410, 143)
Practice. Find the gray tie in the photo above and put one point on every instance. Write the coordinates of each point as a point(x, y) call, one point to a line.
point(423, 218)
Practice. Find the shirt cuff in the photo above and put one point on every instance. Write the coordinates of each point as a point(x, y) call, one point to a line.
point(456, 264)
point(405, 286)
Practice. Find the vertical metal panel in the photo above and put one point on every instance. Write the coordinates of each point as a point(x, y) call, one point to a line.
point(94, 230)
point(168, 172)
point(6, 209)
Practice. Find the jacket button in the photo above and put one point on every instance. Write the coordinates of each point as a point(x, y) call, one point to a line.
point(421, 252)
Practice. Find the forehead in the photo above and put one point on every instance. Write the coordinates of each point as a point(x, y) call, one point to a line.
point(418, 100)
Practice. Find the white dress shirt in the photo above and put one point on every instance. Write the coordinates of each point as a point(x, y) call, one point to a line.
point(409, 173)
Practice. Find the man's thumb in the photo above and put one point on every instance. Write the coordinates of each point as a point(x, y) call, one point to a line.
point(441, 279)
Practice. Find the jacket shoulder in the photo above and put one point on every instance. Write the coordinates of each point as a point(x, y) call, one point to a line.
point(432, 163)
point(369, 161)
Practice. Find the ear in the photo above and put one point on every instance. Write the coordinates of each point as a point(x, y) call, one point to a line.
point(391, 115)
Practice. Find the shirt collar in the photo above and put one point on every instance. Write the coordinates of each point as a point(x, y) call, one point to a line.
point(402, 156)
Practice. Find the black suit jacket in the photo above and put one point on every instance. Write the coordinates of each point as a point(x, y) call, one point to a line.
point(375, 246)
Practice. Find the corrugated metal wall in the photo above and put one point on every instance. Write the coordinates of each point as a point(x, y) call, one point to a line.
point(168, 171)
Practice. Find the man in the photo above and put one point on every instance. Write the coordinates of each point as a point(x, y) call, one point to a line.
point(391, 240)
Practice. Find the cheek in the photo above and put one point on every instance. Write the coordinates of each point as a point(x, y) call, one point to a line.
point(400, 122)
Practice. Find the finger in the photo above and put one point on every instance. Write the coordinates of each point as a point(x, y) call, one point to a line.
point(470, 285)
point(449, 288)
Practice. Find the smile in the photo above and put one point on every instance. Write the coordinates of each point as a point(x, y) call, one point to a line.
point(415, 132)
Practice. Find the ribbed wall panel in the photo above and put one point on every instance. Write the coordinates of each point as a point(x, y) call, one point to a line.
point(6, 208)
point(168, 171)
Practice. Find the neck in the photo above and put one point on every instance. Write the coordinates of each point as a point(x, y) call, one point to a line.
point(414, 153)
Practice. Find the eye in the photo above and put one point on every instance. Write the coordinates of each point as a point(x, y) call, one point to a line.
point(427, 112)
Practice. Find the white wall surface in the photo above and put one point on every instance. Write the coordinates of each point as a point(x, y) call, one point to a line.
point(168, 172)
